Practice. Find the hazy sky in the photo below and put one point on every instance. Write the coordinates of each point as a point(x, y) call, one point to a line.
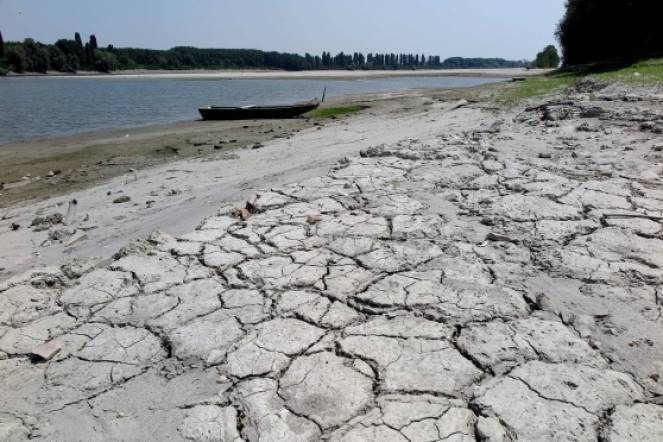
point(512, 29)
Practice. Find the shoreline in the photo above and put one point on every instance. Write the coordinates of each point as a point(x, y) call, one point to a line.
point(89, 158)
point(340, 100)
point(154, 166)
point(83, 158)
point(267, 74)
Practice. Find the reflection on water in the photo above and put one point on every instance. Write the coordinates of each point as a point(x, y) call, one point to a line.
point(41, 107)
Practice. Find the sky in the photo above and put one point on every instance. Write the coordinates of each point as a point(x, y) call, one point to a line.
point(512, 29)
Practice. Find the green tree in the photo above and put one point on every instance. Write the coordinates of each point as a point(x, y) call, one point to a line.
point(93, 43)
point(79, 47)
point(2, 46)
point(603, 30)
point(57, 58)
point(37, 59)
point(72, 64)
point(548, 58)
point(104, 61)
point(87, 59)
point(16, 59)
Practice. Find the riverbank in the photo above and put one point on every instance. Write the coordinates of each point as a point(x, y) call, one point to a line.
point(39, 169)
point(176, 174)
point(269, 74)
point(435, 267)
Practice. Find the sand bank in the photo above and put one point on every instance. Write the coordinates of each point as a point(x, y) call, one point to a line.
point(313, 75)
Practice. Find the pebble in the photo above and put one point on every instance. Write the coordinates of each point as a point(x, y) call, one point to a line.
point(121, 199)
point(47, 350)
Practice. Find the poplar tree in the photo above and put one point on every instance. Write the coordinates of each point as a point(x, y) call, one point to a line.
point(79, 41)
point(80, 52)
point(93, 43)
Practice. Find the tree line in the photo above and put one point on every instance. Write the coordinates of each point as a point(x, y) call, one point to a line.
point(74, 55)
point(62, 56)
point(610, 30)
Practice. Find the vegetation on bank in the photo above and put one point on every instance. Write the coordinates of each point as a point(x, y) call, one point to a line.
point(63, 56)
point(642, 73)
point(74, 55)
point(329, 112)
point(604, 40)
point(548, 58)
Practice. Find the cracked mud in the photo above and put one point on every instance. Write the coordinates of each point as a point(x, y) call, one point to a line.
point(462, 287)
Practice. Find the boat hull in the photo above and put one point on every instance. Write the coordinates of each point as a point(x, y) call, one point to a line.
point(255, 113)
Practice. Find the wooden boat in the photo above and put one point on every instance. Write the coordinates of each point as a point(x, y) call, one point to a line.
point(259, 112)
point(256, 112)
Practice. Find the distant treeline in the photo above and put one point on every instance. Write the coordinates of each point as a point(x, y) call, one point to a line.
point(63, 56)
point(194, 58)
point(74, 55)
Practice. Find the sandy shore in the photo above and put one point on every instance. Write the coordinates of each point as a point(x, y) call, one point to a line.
point(79, 161)
point(174, 175)
point(330, 74)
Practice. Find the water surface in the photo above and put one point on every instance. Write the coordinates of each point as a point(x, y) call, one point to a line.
point(38, 107)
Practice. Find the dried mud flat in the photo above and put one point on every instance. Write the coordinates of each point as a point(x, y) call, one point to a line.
point(497, 284)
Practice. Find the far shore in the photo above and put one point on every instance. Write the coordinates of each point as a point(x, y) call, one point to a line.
point(277, 74)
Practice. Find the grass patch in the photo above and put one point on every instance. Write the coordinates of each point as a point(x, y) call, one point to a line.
point(647, 73)
point(642, 73)
point(329, 112)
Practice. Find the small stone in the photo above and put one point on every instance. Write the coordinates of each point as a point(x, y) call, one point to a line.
point(15, 227)
point(257, 146)
point(122, 199)
point(244, 214)
point(313, 219)
point(46, 222)
point(545, 155)
point(47, 350)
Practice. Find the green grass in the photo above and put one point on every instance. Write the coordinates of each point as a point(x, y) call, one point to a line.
point(328, 112)
point(643, 73)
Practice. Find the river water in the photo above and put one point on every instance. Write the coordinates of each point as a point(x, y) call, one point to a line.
point(38, 107)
